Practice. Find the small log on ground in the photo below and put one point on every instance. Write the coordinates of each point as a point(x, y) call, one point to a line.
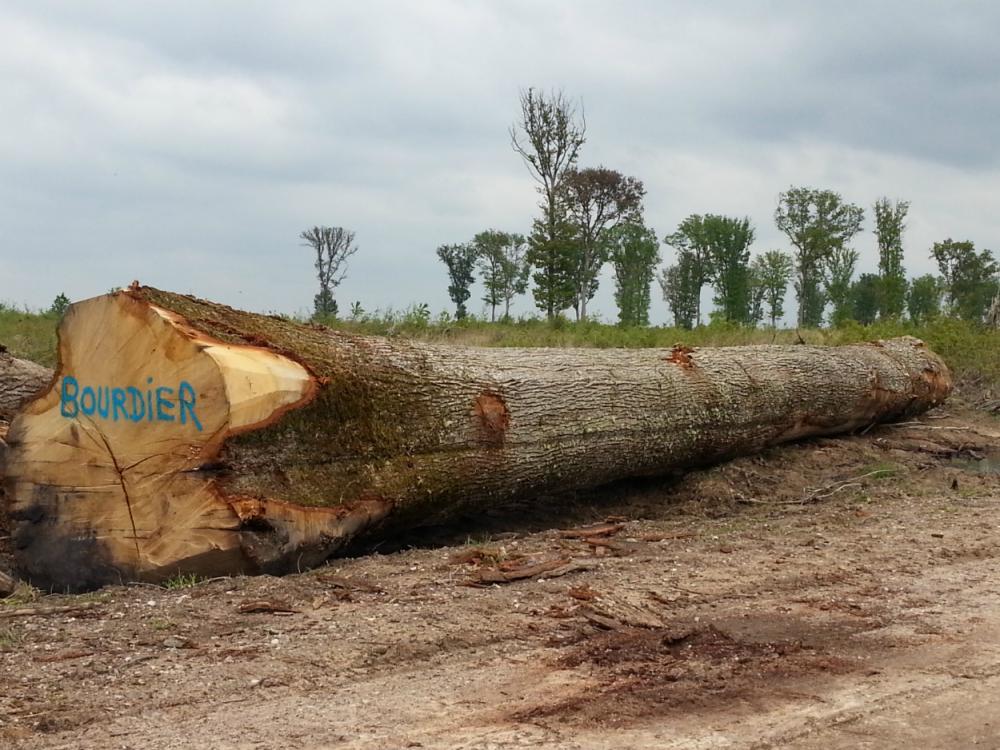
point(182, 436)
point(20, 381)
point(8, 584)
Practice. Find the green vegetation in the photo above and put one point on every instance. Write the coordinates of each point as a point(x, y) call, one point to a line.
point(634, 255)
point(884, 470)
point(590, 217)
point(502, 261)
point(889, 226)
point(682, 283)
point(598, 201)
point(24, 593)
point(584, 210)
point(728, 241)
point(865, 298)
point(770, 273)
point(461, 263)
point(818, 223)
point(923, 303)
point(10, 638)
point(681, 286)
point(839, 271)
point(182, 581)
point(970, 277)
point(29, 335)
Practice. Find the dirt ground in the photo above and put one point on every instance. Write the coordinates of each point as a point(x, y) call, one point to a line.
point(836, 593)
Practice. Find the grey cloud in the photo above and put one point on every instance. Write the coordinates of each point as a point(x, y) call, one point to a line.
point(188, 144)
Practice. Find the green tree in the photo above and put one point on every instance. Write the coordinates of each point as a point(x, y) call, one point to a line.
point(552, 251)
point(728, 241)
point(772, 271)
point(598, 199)
point(503, 264)
point(923, 302)
point(838, 271)
point(681, 289)
point(332, 247)
point(59, 305)
point(635, 252)
point(460, 261)
point(889, 226)
point(691, 243)
point(548, 137)
point(969, 277)
point(817, 222)
point(866, 298)
point(755, 297)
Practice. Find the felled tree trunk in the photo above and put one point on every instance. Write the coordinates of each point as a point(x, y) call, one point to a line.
point(182, 436)
point(20, 381)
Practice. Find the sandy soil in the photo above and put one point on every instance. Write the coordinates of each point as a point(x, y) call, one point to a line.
point(830, 594)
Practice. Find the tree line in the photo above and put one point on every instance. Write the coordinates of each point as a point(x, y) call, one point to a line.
point(591, 217)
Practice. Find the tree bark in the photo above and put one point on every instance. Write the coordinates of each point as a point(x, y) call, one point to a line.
point(8, 584)
point(182, 436)
point(20, 381)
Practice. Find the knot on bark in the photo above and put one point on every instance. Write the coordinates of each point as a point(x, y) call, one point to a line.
point(681, 355)
point(492, 417)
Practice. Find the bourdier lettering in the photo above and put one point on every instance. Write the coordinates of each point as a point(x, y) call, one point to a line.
point(160, 404)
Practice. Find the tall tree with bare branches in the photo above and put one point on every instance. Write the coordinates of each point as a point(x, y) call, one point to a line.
point(548, 137)
point(332, 246)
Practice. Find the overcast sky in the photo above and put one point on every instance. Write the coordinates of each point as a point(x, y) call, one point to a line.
point(186, 144)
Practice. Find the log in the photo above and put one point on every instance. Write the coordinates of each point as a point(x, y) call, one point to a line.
point(8, 584)
point(20, 381)
point(183, 436)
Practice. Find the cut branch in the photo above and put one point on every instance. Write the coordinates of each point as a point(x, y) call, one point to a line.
point(252, 443)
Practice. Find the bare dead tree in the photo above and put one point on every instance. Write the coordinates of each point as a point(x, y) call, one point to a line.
point(333, 246)
point(548, 137)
